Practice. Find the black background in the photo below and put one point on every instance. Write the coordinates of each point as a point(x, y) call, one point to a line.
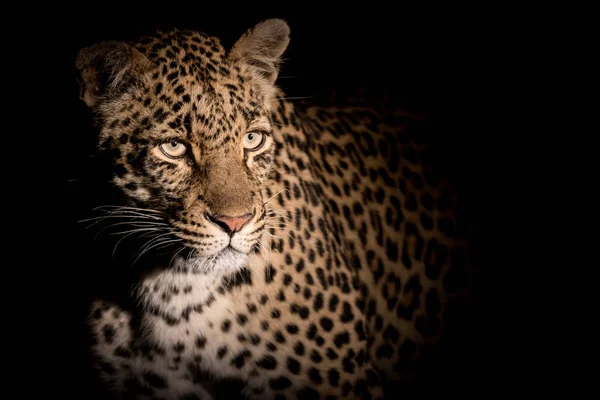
point(424, 58)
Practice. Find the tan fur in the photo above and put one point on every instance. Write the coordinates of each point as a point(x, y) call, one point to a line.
point(340, 279)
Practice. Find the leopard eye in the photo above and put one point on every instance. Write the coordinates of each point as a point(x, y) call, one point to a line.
point(253, 140)
point(173, 149)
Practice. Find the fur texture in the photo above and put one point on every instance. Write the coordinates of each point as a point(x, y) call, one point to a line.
point(343, 277)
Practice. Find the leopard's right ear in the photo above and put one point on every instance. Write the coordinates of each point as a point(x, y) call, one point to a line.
point(108, 68)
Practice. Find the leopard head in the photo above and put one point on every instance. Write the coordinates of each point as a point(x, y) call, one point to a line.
point(188, 129)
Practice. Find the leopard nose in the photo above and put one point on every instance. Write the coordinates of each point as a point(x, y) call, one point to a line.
point(230, 224)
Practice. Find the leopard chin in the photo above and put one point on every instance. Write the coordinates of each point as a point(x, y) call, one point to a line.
point(225, 261)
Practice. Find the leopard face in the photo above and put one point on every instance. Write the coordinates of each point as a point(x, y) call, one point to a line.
point(189, 132)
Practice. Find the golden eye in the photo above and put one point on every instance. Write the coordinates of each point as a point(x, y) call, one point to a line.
point(253, 140)
point(173, 149)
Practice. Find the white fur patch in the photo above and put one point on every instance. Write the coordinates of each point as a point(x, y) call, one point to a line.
point(224, 262)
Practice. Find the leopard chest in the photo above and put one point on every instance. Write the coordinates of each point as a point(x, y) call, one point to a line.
point(201, 321)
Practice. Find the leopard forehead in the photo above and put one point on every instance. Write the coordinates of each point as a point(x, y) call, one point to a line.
point(192, 88)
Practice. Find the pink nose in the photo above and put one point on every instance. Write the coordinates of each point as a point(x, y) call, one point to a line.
point(231, 224)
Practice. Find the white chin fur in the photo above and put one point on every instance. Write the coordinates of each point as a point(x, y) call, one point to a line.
point(225, 261)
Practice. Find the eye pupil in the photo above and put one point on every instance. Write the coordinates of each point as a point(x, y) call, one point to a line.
point(250, 136)
point(174, 144)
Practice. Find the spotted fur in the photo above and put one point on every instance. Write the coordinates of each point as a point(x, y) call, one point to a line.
point(339, 280)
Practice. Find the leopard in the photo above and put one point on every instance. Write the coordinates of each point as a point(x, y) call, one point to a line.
point(303, 251)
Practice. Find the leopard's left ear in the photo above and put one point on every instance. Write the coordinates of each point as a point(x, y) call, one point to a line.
point(261, 47)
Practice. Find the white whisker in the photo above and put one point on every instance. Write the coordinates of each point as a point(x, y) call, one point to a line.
point(133, 212)
point(129, 208)
point(189, 256)
point(159, 243)
point(156, 225)
point(119, 241)
point(296, 98)
point(102, 218)
point(150, 242)
point(275, 195)
point(175, 255)
point(140, 230)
